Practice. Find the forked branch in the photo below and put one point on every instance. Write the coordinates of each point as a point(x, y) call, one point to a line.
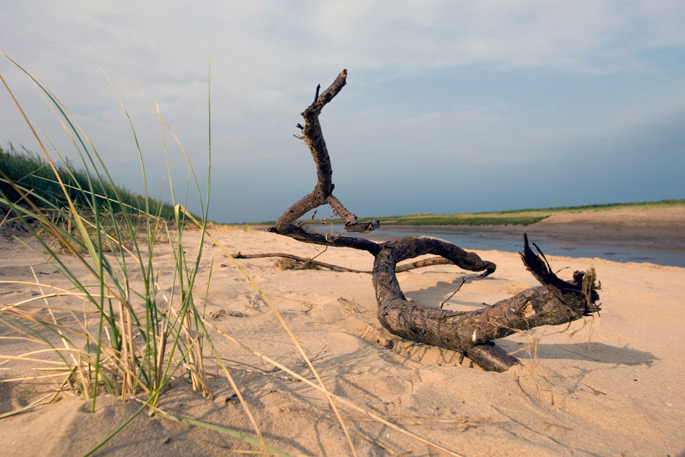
point(472, 332)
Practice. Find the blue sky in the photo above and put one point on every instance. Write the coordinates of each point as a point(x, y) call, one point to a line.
point(450, 105)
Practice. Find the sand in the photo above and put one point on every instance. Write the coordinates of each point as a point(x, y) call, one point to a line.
point(657, 225)
point(604, 386)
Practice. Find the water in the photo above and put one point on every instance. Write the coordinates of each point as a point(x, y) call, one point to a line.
point(510, 239)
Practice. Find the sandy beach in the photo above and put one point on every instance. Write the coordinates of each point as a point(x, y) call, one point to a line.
point(606, 385)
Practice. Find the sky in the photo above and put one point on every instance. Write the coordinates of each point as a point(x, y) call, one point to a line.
point(451, 106)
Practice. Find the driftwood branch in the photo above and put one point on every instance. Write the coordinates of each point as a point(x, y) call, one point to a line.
point(473, 332)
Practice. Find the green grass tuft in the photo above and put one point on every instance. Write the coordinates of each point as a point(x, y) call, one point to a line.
point(114, 330)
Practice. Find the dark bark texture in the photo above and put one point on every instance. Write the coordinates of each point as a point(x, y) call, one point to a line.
point(473, 332)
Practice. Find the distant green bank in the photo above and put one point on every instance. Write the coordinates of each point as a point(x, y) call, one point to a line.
point(512, 217)
point(462, 219)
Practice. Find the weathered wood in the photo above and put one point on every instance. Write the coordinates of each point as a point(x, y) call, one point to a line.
point(472, 332)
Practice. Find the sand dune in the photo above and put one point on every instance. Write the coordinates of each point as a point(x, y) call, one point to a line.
point(621, 223)
point(605, 386)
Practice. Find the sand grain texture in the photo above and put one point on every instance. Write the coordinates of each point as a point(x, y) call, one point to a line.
point(605, 386)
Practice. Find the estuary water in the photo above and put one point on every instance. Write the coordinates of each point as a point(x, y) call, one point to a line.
point(510, 239)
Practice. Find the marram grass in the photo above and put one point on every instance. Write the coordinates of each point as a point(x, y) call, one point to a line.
point(111, 333)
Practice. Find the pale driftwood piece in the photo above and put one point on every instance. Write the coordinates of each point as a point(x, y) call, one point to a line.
point(422, 263)
point(306, 261)
point(471, 333)
point(303, 261)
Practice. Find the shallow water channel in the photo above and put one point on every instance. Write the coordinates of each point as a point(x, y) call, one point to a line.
point(510, 239)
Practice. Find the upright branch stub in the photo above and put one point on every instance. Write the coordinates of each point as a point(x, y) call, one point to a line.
point(580, 295)
point(323, 191)
point(313, 136)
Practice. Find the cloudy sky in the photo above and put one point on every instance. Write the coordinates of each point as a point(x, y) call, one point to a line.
point(450, 105)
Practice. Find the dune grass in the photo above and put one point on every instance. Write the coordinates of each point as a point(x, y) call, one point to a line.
point(111, 333)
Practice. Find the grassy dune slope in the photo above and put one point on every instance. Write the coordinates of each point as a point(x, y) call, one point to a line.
point(32, 173)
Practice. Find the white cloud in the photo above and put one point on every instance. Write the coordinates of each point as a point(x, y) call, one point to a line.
point(577, 36)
